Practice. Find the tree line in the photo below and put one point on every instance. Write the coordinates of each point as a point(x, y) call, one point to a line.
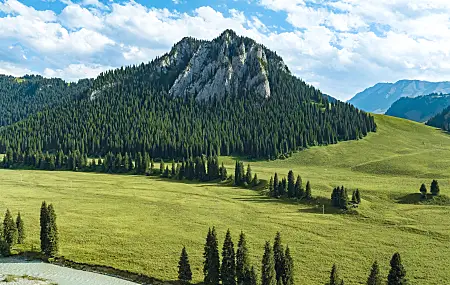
point(277, 266)
point(289, 188)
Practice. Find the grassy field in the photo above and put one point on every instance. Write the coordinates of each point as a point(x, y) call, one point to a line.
point(140, 223)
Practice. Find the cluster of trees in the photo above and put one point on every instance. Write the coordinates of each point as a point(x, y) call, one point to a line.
point(13, 233)
point(397, 274)
point(290, 187)
point(22, 97)
point(244, 178)
point(441, 120)
point(277, 264)
point(131, 110)
point(339, 198)
point(434, 189)
point(49, 231)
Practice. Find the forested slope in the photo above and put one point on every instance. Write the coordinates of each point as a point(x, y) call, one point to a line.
point(441, 120)
point(227, 96)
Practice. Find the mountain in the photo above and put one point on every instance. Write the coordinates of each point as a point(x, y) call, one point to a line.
point(419, 109)
point(227, 96)
point(379, 98)
point(441, 120)
point(21, 97)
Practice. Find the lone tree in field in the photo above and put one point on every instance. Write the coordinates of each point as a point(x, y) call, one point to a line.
point(228, 269)
point(434, 189)
point(211, 264)
point(374, 276)
point(423, 190)
point(397, 274)
point(44, 223)
point(9, 229)
point(242, 260)
point(268, 275)
point(20, 229)
point(334, 276)
point(278, 256)
point(288, 273)
point(184, 268)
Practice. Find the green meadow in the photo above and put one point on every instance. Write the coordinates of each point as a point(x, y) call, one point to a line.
point(141, 223)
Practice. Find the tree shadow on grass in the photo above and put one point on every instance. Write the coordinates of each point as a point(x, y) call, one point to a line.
point(418, 199)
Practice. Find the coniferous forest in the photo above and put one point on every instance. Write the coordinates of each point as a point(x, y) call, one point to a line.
point(131, 110)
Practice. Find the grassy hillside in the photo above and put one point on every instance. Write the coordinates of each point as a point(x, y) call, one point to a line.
point(140, 224)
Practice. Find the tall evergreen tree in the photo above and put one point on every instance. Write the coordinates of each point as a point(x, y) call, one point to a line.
point(250, 277)
point(288, 273)
point(299, 188)
point(276, 185)
point(434, 189)
point(9, 229)
point(279, 258)
point(423, 190)
point(248, 175)
point(334, 276)
point(211, 264)
point(268, 275)
point(271, 187)
point(242, 260)
point(291, 184)
point(52, 233)
point(308, 194)
point(184, 268)
point(374, 276)
point(44, 220)
point(228, 269)
point(20, 229)
point(397, 274)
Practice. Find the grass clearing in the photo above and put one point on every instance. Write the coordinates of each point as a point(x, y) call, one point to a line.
point(140, 224)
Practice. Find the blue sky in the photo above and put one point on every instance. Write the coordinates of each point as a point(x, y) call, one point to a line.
point(339, 46)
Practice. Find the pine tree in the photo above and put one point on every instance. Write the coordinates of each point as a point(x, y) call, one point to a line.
point(173, 170)
point(250, 277)
point(161, 167)
point(374, 276)
point(278, 256)
point(223, 172)
point(397, 274)
point(434, 189)
point(9, 229)
point(20, 229)
point(423, 190)
point(276, 185)
point(298, 188)
point(211, 264)
point(291, 184)
point(282, 187)
point(308, 194)
point(52, 233)
point(271, 190)
point(334, 276)
point(44, 229)
point(184, 268)
point(288, 274)
point(358, 196)
point(242, 260)
point(248, 175)
point(268, 275)
point(255, 181)
point(228, 269)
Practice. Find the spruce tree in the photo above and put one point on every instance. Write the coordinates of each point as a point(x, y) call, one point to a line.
point(242, 260)
point(223, 172)
point(279, 258)
point(184, 268)
point(228, 269)
point(288, 274)
point(20, 229)
point(291, 184)
point(397, 274)
point(334, 276)
point(52, 233)
point(250, 277)
point(276, 185)
point(211, 264)
point(374, 276)
point(423, 190)
point(9, 229)
point(271, 191)
point(434, 189)
point(255, 181)
point(268, 275)
point(248, 175)
point(358, 196)
point(308, 194)
point(43, 223)
point(298, 187)
point(161, 167)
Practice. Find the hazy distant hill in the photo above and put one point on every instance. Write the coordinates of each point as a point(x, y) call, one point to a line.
point(419, 109)
point(379, 98)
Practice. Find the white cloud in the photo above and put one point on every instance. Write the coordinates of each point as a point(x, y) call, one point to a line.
point(74, 16)
point(11, 69)
point(73, 72)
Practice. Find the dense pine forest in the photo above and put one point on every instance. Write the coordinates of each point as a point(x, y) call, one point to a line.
point(441, 120)
point(22, 97)
point(134, 110)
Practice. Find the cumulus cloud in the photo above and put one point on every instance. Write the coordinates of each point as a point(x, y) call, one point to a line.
point(342, 46)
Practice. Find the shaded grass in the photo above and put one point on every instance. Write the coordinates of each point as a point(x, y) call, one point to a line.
point(141, 223)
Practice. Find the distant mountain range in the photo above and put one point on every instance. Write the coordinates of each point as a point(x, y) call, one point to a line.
point(379, 98)
point(419, 109)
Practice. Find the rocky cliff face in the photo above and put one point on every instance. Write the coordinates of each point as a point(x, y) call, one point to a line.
point(227, 65)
